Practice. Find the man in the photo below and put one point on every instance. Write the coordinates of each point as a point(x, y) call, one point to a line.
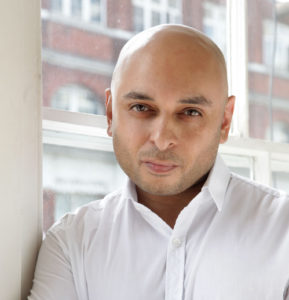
point(183, 227)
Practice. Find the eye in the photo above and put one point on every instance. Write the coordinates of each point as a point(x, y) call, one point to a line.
point(192, 112)
point(139, 108)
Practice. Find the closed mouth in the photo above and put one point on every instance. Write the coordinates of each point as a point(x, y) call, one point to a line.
point(159, 166)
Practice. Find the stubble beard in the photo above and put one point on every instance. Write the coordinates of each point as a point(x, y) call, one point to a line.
point(159, 185)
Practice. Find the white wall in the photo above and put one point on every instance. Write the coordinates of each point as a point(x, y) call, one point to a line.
point(20, 145)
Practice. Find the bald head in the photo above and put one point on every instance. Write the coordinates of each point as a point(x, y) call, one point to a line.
point(168, 108)
point(174, 44)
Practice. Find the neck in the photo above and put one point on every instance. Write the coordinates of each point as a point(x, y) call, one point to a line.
point(168, 207)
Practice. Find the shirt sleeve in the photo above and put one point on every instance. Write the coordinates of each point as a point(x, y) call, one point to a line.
point(53, 279)
point(286, 291)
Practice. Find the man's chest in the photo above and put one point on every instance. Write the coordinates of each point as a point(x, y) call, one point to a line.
point(183, 268)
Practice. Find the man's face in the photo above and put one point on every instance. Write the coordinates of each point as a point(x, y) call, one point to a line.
point(167, 115)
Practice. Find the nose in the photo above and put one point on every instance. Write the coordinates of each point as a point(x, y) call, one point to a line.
point(163, 134)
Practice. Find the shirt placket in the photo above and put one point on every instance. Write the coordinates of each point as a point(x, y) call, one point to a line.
point(175, 267)
point(176, 252)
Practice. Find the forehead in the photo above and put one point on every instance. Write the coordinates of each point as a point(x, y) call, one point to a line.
point(171, 61)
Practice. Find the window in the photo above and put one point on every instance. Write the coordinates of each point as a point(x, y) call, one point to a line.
point(282, 46)
point(268, 31)
point(78, 99)
point(214, 23)
point(85, 10)
point(154, 12)
point(75, 175)
point(78, 61)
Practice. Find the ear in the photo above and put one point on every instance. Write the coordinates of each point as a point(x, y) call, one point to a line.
point(108, 105)
point(227, 119)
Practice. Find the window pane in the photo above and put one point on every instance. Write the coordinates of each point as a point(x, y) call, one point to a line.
point(78, 99)
point(56, 5)
point(95, 10)
point(241, 165)
point(76, 8)
point(74, 176)
point(268, 53)
point(281, 181)
point(173, 3)
point(81, 47)
point(156, 18)
point(138, 18)
point(214, 23)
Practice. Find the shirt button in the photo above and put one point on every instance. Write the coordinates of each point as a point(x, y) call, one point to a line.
point(176, 242)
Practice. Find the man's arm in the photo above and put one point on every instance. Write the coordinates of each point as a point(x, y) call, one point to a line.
point(53, 278)
point(286, 292)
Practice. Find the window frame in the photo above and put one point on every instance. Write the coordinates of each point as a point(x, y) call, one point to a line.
point(264, 154)
point(163, 8)
point(85, 16)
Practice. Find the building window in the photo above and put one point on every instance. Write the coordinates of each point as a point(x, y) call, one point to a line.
point(85, 10)
point(154, 12)
point(214, 23)
point(77, 99)
point(280, 132)
point(281, 58)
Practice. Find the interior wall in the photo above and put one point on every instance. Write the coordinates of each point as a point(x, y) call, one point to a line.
point(20, 145)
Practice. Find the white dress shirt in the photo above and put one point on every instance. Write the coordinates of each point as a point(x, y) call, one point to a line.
point(230, 243)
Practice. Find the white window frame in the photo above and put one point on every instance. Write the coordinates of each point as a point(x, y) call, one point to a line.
point(217, 14)
point(66, 11)
point(282, 47)
point(162, 8)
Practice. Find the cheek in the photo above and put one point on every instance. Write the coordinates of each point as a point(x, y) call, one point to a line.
point(128, 137)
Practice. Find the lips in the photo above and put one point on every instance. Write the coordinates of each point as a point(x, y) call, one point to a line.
point(160, 167)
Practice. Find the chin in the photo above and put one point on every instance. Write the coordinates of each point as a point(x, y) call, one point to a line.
point(163, 189)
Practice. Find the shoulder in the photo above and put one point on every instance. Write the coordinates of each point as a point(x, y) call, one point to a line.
point(248, 185)
point(87, 217)
point(259, 196)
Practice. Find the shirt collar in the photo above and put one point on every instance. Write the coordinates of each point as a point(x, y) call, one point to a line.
point(129, 191)
point(216, 183)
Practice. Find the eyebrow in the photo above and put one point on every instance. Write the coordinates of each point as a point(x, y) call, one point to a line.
point(200, 100)
point(137, 96)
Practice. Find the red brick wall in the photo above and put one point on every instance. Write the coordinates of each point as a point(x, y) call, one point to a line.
point(120, 14)
point(55, 77)
point(75, 41)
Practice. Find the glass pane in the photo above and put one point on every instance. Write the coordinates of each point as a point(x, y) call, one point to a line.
point(268, 55)
point(214, 22)
point(173, 3)
point(56, 5)
point(156, 18)
point(95, 10)
point(78, 99)
point(138, 19)
point(81, 48)
point(281, 181)
point(74, 176)
point(76, 8)
point(241, 165)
